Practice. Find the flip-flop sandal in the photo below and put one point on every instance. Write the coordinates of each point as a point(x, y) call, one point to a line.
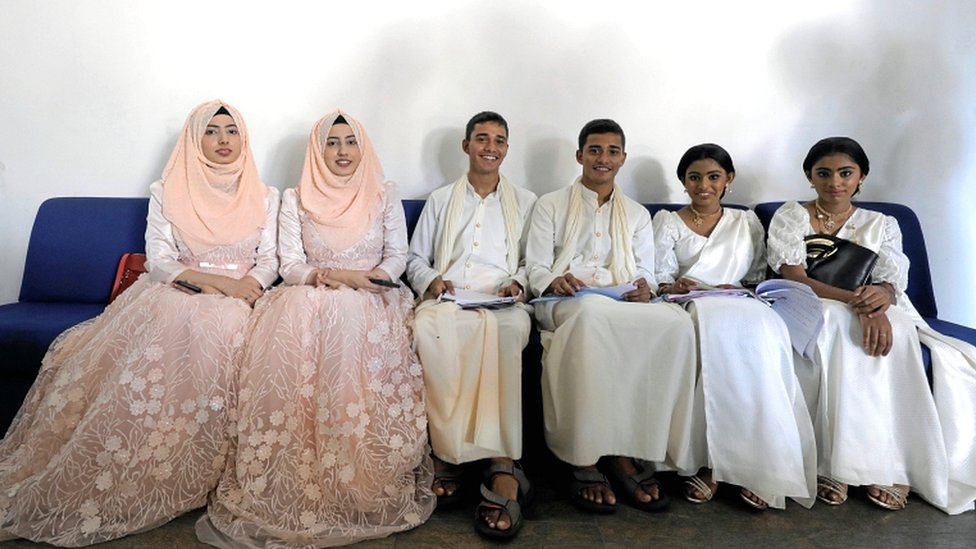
point(584, 479)
point(898, 497)
point(491, 500)
point(831, 486)
point(695, 485)
point(449, 476)
point(643, 480)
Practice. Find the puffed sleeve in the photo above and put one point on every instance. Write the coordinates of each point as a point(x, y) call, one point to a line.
point(785, 241)
point(162, 255)
point(643, 243)
point(420, 272)
point(757, 272)
point(892, 265)
point(294, 268)
point(540, 246)
point(665, 237)
point(265, 269)
point(394, 234)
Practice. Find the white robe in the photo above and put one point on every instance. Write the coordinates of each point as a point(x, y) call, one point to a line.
point(618, 378)
point(750, 412)
point(472, 359)
point(875, 419)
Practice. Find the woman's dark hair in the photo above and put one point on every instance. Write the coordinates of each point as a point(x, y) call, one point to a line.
point(601, 125)
point(703, 152)
point(836, 145)
point(223, 110)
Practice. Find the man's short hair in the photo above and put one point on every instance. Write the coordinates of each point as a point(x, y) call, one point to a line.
point(601, 125)
point(481, 117)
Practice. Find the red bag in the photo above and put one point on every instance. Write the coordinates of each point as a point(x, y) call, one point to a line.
point(130, 267)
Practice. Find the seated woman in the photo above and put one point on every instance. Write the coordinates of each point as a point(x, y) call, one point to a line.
point(332, 435)
point(751, 427)
point(877, 423)
point(128, 422)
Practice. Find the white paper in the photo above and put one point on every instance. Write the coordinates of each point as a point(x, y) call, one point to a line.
point(468, 299)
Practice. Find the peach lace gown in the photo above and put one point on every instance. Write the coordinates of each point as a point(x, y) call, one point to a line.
point(332, 436)
point(129, 420)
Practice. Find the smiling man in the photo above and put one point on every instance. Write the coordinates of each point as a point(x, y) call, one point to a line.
point(469, 237)
point(618, 377)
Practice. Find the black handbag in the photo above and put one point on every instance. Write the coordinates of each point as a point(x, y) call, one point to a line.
point(838, 262)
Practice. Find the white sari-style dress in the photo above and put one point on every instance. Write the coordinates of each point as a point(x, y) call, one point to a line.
point(752, 427)
point(875, 418)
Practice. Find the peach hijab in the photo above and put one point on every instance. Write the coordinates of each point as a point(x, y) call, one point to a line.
point(341, 208)
point(211, 204)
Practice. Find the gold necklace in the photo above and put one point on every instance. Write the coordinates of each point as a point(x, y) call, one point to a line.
point(823, 215)
point(699, 217)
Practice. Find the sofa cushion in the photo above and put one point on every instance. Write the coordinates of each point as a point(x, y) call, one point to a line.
point(27, 329)
point(75, 246)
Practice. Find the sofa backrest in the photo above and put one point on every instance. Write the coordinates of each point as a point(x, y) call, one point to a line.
point(75, 247)
point(913, 243)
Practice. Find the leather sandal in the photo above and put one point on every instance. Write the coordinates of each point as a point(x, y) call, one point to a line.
point(695, 485)
point(583, 479)
point(897, 497)
point(828, 487)
point(642, 481)
point(451, 475)
point(753, 500)
point(493, 501)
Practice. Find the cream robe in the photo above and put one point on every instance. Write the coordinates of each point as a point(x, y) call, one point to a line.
point(750, 412)
point(875, 419)
point(618, 378)
point(472, 359)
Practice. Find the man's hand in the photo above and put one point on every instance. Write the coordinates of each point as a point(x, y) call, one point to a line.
point(513, 290)
point(438, 287)
point(565, 285)
point(642, 294)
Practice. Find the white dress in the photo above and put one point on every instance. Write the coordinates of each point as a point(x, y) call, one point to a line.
point(618, 378)
point(750, 412)
point(875, 419)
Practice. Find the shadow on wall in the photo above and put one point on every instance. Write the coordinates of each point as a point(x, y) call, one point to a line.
point(899, 102)
point(288, 154)
point(650, 184)
point(442, 148)
point(902, 93)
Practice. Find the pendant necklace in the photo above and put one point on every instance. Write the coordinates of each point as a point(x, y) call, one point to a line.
point(699, 219)
point(826, 218)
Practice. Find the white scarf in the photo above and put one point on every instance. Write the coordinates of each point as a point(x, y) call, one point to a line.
point(455, 208)
point(622, 264)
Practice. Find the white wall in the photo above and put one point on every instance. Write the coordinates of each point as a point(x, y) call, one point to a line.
point(93, 93)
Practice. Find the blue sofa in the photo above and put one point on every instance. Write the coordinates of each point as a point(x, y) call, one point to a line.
point(76, 243)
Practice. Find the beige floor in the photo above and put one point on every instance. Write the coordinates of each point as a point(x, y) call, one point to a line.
point(725, 522)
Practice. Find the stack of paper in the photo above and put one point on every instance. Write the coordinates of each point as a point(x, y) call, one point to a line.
point(467, 299)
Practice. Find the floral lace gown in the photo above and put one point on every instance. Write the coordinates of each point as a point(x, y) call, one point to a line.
point(128, 422)
point(332, 436)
